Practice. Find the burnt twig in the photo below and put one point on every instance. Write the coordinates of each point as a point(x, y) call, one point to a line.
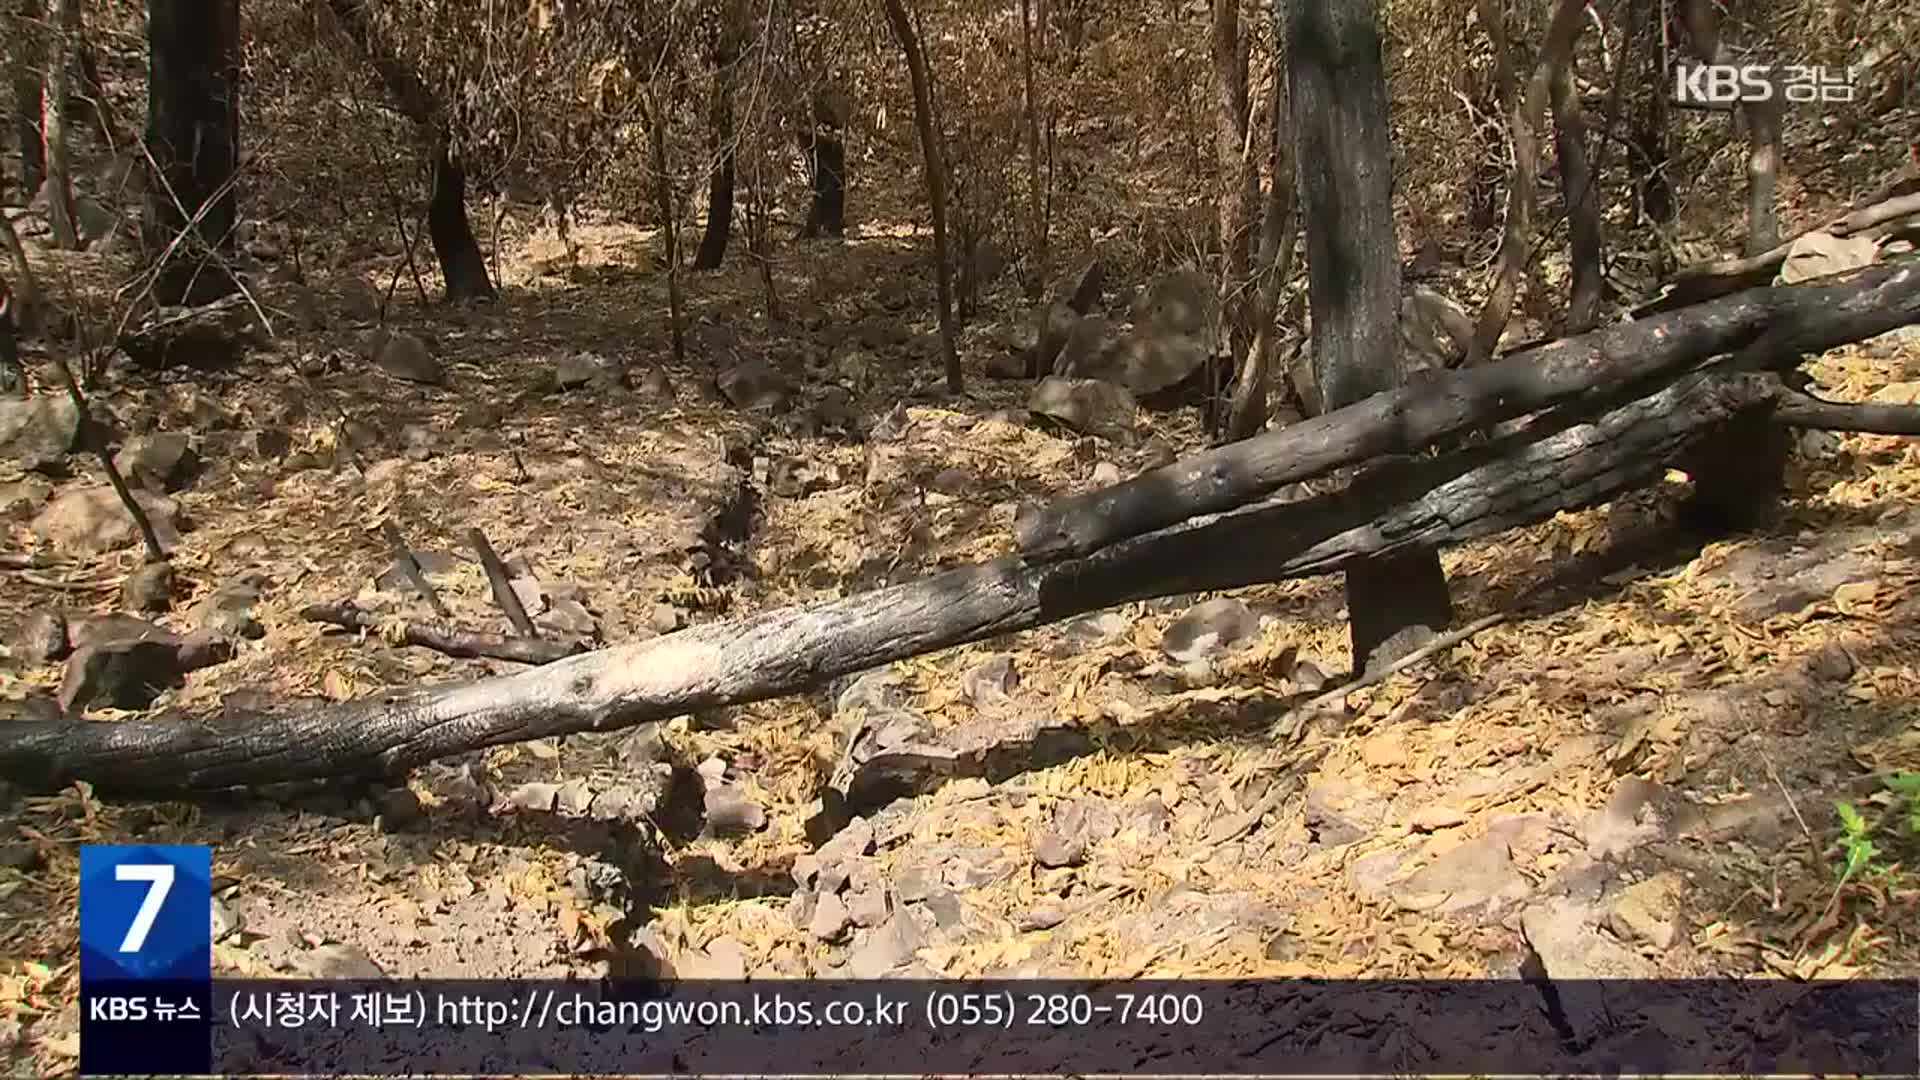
point(410, 567)
point(503, 593)
point(452, 641)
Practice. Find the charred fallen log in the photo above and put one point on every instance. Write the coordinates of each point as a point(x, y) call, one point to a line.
point(1790, 319)
point(1529, 474)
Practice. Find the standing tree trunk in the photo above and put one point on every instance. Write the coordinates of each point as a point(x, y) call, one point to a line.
point(1345, 157)
point(1579, 191)
point(720, 145)
point(27, 33)
point(1238, 189)
point(827, 161)
point(463, 266)
point(55, 114)
point(1247, 411)
point(193, 133)
point(1738, 474)
point(1041, 272)
point(1648, 136)
point(1763, 130)
point(936, 169)
point(663, 200)
point(1526, 111)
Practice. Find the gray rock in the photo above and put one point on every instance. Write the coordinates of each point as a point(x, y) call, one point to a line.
point(1083, 353)
point(1153, 358)
point(853, 841)
point(92, 520)
point(149, 589)
point(731, 813)
point(583, 369)
point(130, 674)
point(536, 796)
point(654, 383)
point(39, 638)
point(39, 432)
point(1434, 330)
point(868, 906)
point(722, 959)
point(225, 922)
point(915, 883)
point(830, 920)
point(876, 691)
point(1308, 677)
point(164, 461)
point(754, 385)
point(990, 680)
point(228, 611)
point(1208, 630)
point(805, 870)
point(21, 500)
point(570, 617)
point(1106, 474)
point(1477, 879)
point(406, 356)
point(1086, 405)
point(1054, 850)
point(887, 948)
point(574, 798)
point(1044, 917)
point(1648, 911)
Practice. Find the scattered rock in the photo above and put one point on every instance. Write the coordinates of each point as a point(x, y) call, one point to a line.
point(149, 589)
point(1476, 879)
point(853, 841)
point(830, 920)
point(40, 638)
point(730, 812)
point(164, 461)
point(754, 385)
point(723, 959)
point(1820, 253)
point(1086, 405)
point(269, 444)
point(654, 383)
point(574, 798)
point(406, 356)
point(1208, 630)
point(39, 432)
point(1106, 474)
point(228, 612)
point(915, 883)
point(130, 674)
point(1051, 849)
point(1648, 911)
point(990, 680)
point(224, 921)
point(21, 499)
point(1045, 917)
point(537, 797)
point(867, 906)
point(584, 369)
point(1434, 329)
point(1338, 813)
point(1391, 651)
point(1832, 663)
point(92, 520)
point(1308, 677)
point(569, 616)
point(337, 961)
point(1629, 820)
point(665, 618)
point(1010, 365)
point(1437, 817)
point(887, 948)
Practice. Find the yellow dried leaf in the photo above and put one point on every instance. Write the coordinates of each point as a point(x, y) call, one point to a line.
point(336, 686)
point(1855, 596)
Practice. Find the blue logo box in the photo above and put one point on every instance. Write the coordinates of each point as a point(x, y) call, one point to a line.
point(146, 912)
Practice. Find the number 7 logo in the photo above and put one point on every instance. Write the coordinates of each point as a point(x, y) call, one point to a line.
point(159, 879)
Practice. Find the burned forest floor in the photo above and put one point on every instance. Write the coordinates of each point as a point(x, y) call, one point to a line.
point(1638, 771)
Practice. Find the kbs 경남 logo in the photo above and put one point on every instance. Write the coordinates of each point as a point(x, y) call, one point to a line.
point(1741, 84)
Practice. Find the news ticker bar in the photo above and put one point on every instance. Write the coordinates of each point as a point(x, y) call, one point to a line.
point(1137, 1027)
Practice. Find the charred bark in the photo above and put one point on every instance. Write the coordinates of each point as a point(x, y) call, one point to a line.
point(1579, 191)
point(193, 133)
point(827, 161)
point(25, 22)
point(720, 145)
point(1247, 409)
point(1337, 84)
point(463, 266)
point(1847, 307)
point(56, 114)
point(1526, 477)
point(933, 159)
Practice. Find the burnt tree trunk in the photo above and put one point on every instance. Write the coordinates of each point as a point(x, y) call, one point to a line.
point(1236, 191)
point(193, 133)
point(1339, 99)
point(1579, 191)
point(934, 162)
point(663, 200)
point(463, 266)
point(1039, 271)
point(28, 32)
point(56, 116)
point(720, 146)
point(1738, 477)
point(1647, 137)
point(827, 161)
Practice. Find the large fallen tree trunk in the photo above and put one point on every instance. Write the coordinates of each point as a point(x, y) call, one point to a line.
point(1554, 464)
point(1842, 308)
